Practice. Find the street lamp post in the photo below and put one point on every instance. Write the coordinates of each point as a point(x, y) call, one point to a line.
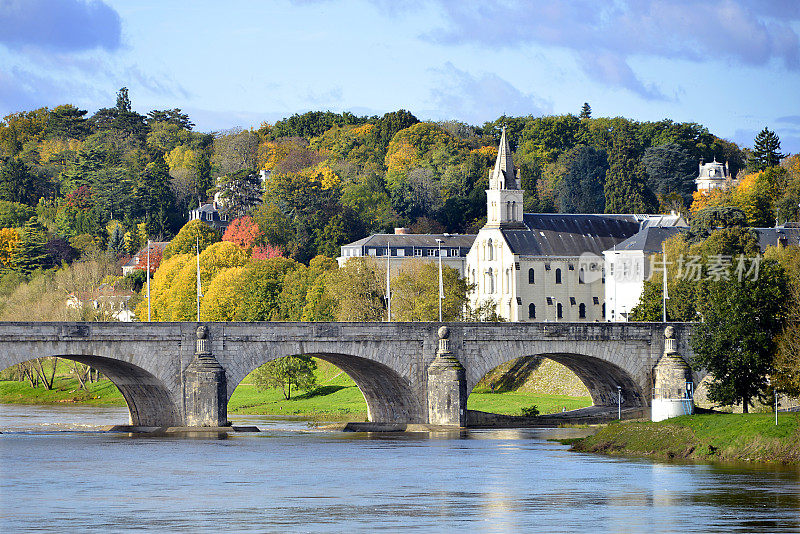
point(148, 280)
point(441, 285)
point(388, 285)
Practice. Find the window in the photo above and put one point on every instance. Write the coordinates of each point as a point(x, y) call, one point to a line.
point(372, 252)
point(489, 250)
point(531, 311)
point(549, 301)
point(580, 276)
point(530, 275)
point(595, 300)
point(572, 301)
point(571, 267)
point(560, 311)
point(558, 276)
point(418, 252)
point(546, 266)
point(401, 252)
point(582, 311)
point(604, 310)
point(444, 252)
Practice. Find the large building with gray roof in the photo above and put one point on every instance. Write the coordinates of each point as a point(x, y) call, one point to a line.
point(546, 267)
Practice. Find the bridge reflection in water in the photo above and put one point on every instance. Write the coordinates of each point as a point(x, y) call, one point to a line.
point(183, 374)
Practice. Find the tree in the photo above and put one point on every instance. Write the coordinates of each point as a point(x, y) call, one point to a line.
point(173, 116)
point(358, 290)
point(235, 150)
point(67, 121)
point(240, 193)
point(297, 371)
point(18, 183)
point(154, 200)
point(415, 293)
point(14, 214)
point(30, 254)
point(709, 219)
point(736, 341)
point(625, 188)
point(9, 238)
point(669, 169)
point(186, 240)
point(243, 231)
point(586, 111)
point(581, 187)
point(766, 151)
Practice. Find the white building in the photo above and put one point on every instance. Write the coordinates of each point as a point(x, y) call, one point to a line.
point(545, 267)
point(401, 246)
point(628, 265)
point(712, 175)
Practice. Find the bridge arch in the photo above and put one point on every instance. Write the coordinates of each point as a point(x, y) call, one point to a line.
point(601, 376)
point(389, 396)
point(149, 401)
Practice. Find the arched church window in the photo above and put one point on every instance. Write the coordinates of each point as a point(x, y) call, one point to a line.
point(581, 276)
point(582, 311)
point(560, 311)
point(531, 276)
point(531, 311)
point(558, 276)
point(489, 250)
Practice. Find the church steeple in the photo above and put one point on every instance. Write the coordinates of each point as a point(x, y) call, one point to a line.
point(504, 176)
point(504, 197)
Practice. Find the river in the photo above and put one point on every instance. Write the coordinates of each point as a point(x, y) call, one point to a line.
point(59, 475)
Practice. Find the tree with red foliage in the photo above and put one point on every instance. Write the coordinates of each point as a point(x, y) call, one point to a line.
point(156, 253)
point(266, 251)
point(243, 232)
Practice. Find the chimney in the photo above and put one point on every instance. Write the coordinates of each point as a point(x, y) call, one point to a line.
point(400, 231)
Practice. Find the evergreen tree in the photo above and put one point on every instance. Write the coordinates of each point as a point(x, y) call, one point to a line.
point(116, 241)
point(625, 187)
point(30, 253)
point(586, 111)
point(154, 199)
point(766, 151)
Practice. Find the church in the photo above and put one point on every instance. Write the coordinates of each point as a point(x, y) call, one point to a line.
point(551, 266)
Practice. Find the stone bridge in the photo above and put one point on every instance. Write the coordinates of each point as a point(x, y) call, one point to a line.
point(183, 374)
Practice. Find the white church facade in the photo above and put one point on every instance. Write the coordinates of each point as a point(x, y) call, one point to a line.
point(552, 267)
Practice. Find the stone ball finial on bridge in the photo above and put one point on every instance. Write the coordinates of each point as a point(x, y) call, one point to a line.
point(202, 332)
point(670, 346)
point(444, 332)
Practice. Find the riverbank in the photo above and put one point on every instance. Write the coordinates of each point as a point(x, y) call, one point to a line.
point(704, 437)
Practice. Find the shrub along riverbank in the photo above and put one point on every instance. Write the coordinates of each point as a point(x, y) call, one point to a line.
point(706, 437)
point(336, 397)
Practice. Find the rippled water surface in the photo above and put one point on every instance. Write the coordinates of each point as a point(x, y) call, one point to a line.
point(58, 475)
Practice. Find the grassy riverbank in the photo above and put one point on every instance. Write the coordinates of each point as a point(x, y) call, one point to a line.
point(706, 437)
point(336, 397)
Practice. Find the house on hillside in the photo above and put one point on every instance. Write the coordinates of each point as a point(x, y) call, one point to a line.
point(139, 260)
point(210, 214)
point(106, 299)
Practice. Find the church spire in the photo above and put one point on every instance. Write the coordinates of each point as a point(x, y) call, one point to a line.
point(504, 175)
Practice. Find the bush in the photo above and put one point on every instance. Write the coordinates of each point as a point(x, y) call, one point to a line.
point(530, 411)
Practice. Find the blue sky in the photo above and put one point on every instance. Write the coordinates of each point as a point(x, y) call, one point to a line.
point(731, 65)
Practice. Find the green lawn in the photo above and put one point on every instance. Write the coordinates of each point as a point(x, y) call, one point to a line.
point(512, 403)
point(336, 397)
point(65, 390)
point(729, 437)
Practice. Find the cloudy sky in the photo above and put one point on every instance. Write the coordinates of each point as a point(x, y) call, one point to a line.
point(731, 65)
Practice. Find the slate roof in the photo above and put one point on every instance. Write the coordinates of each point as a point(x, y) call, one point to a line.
point(770, 236)
point(562, 234)
point(413, 240)
point(649, 239)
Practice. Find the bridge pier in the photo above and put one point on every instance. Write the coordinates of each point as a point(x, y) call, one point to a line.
point(447, 386)
point(205, 387)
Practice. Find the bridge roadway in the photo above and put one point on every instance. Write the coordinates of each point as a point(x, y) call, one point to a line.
point(179, 374)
